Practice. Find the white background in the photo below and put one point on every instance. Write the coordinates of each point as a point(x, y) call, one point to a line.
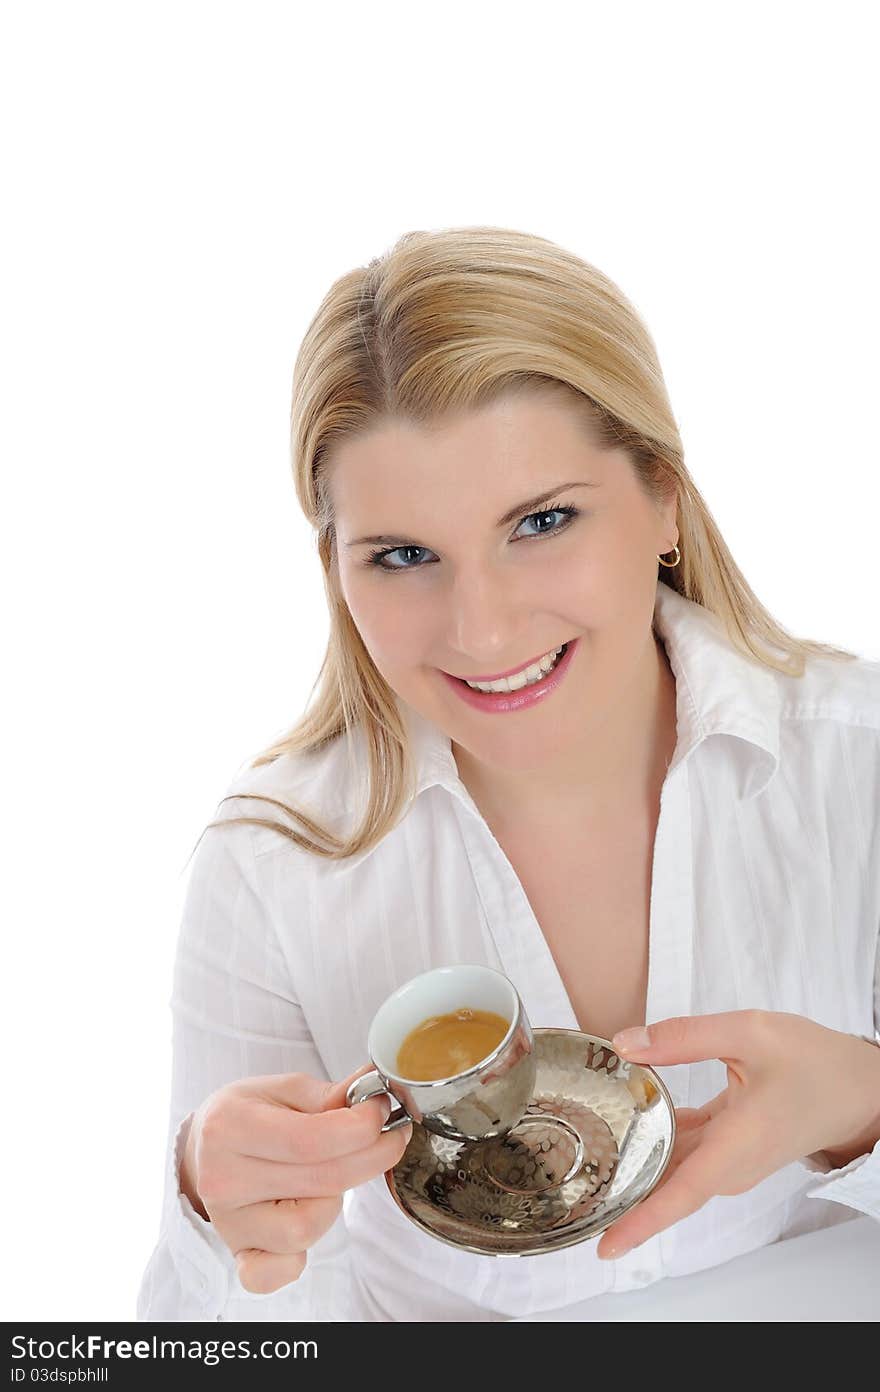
point(182, 183)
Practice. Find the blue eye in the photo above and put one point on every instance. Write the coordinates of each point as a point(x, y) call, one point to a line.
point(377, 558)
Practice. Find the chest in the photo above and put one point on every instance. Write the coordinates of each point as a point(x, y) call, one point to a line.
point(591, 896)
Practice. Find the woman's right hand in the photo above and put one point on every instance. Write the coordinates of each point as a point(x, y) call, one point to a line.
point(268, 1159)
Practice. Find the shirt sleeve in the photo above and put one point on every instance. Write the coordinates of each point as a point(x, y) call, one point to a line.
point(857, 1184)
point(235, 1015)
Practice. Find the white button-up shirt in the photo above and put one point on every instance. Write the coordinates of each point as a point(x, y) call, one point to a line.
point(765, 894)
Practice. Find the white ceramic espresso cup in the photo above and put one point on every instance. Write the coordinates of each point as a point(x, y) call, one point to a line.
point(484, 1101)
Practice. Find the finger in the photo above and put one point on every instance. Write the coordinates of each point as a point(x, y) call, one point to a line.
point(299, 1090)
point(711, 1167)
point(687, 1118)
point(264, 1272)
point(691, 1038)
point(686, 1141)
point(283, 1226)
point(254, 1127)
point(259, 1180)
point(270, 1179)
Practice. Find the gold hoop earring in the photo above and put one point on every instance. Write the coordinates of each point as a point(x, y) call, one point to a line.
point(671, 564)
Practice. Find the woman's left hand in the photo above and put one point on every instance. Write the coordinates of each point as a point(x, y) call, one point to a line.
point(794, 1088)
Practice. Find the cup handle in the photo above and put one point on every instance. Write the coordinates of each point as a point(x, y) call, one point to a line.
point(371, 1085)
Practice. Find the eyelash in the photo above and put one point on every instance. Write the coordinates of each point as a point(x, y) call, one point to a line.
point(375, 558)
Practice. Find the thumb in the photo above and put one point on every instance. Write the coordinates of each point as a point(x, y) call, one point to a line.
point(335, 1096)
point(687, 1038)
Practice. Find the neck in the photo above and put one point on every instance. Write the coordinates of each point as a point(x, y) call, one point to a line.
point(623, 759)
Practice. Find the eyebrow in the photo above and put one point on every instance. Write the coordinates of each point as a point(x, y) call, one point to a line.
point(521, 509)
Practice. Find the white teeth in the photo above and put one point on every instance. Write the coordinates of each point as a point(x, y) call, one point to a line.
point(532, 674)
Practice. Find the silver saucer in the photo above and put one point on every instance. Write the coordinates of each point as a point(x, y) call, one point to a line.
point(595, 1140)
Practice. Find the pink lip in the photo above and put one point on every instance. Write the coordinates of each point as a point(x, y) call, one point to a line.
point(511, 672)
point(498, 702)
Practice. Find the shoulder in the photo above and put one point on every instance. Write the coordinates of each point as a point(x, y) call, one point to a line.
point(320, 783)
point(844, 692)
point(829, 739)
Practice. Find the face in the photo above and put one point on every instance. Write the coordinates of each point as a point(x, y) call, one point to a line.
point(503, 535)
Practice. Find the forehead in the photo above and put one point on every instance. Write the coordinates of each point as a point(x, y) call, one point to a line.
point(511, 447)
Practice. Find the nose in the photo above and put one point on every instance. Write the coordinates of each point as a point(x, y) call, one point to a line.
point(485, 617)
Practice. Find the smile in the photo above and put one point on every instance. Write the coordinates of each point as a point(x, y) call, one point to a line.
point(519, 676)
point(523, 687)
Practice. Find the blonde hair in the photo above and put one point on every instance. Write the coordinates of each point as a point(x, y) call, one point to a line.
point(447, 321)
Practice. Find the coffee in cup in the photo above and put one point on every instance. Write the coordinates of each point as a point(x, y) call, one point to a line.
point(444, 1045)
point(454, 1048)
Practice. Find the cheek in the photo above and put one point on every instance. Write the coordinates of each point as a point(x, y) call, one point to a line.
point(390, 626)
point(611, 580)
point(575, 586)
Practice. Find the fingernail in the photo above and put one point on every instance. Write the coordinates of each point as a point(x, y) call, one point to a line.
point(619, 1248)
point(632, 1041)
point(386, 1108)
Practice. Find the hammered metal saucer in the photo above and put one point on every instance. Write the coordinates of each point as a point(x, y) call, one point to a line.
point(595, 1140)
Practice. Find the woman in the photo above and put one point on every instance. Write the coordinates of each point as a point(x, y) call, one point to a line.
point(669, 815)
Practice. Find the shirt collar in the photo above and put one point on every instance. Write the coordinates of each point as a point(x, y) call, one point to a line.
point(720, 692)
